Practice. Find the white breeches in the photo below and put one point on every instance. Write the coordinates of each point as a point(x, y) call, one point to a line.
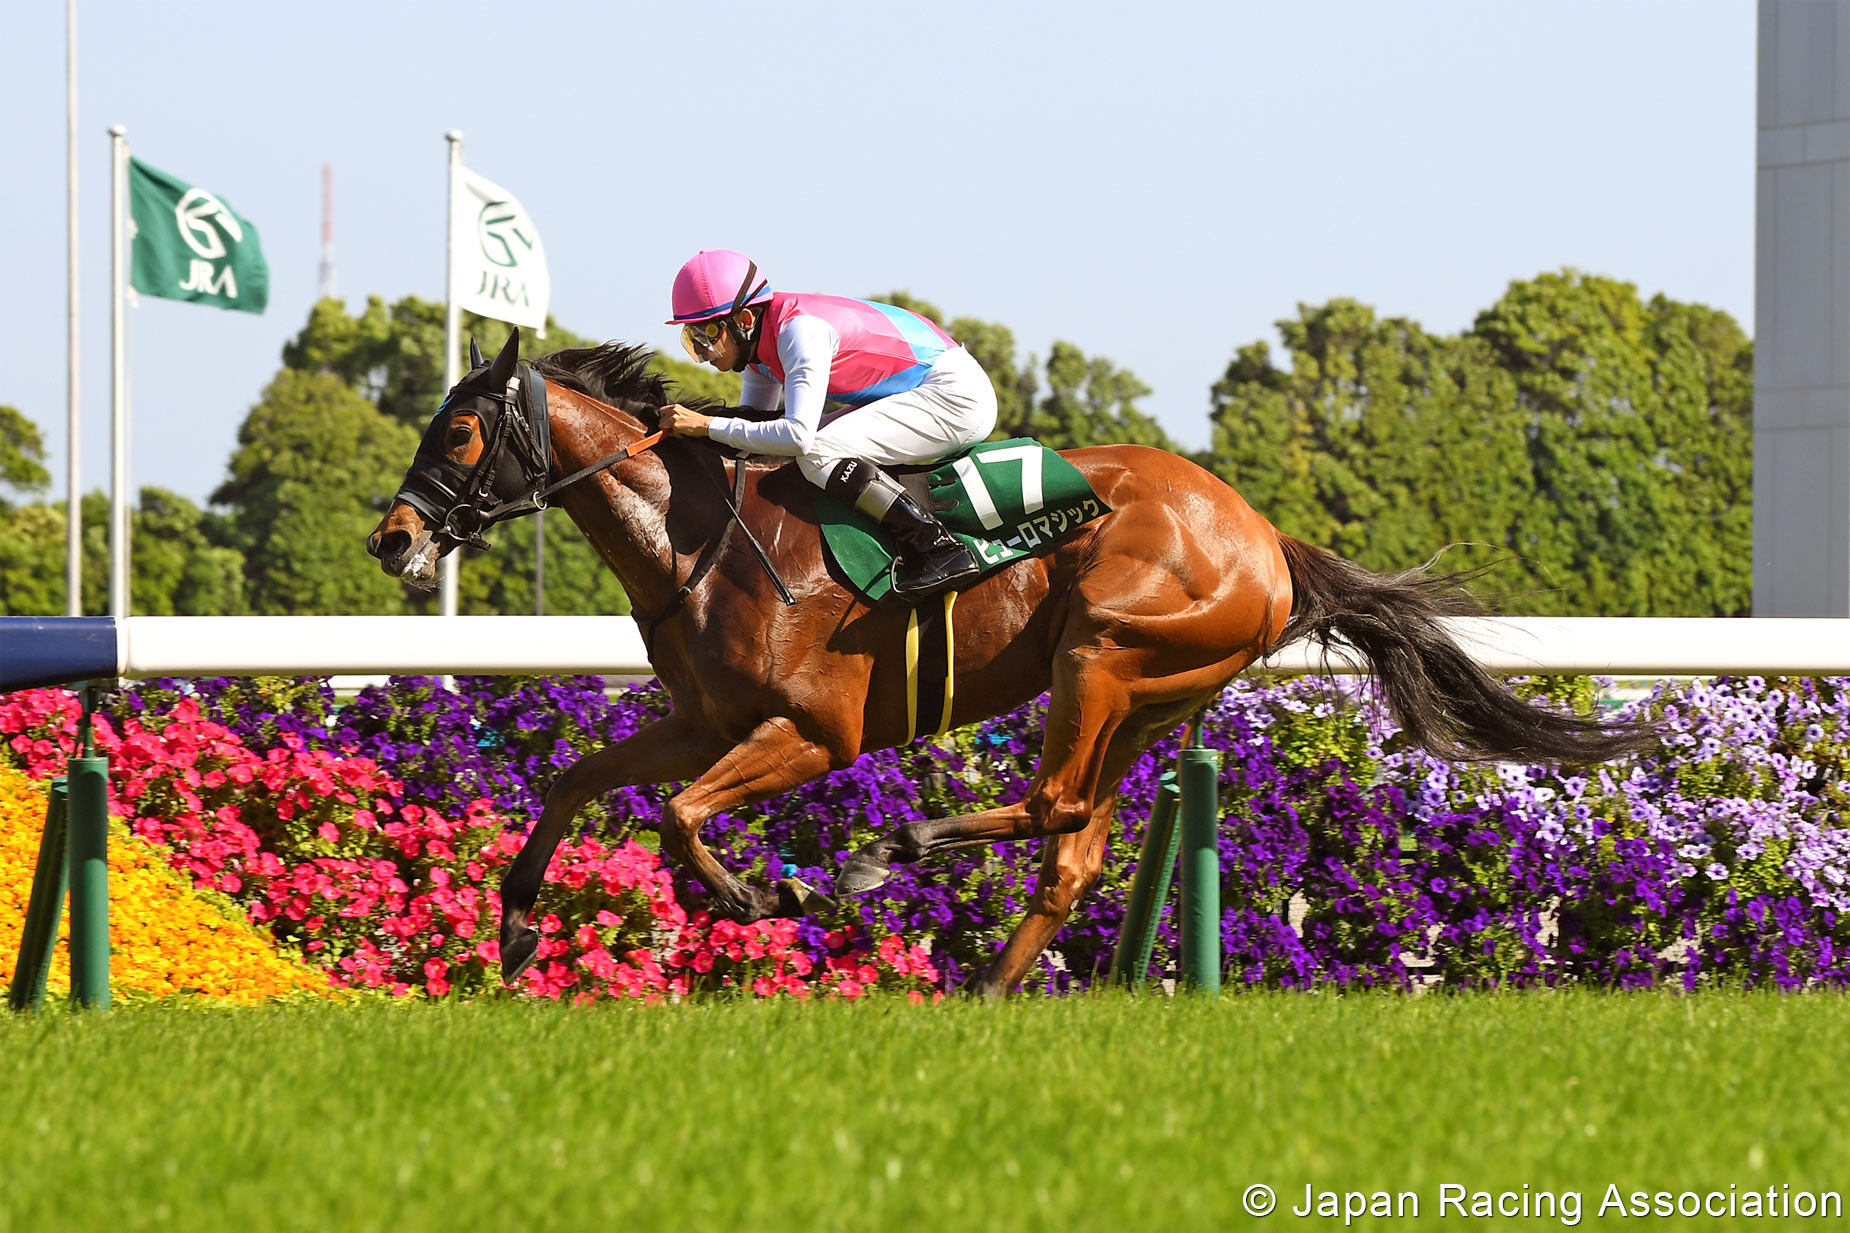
point(951, 410)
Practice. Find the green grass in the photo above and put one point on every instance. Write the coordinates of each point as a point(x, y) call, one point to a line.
point(1083, 1113)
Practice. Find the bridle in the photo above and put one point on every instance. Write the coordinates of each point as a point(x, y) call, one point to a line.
point(453, 496)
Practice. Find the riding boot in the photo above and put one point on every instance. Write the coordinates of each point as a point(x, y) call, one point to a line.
point(930, 558)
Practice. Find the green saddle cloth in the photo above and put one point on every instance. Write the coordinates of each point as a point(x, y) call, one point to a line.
point(1006, 499)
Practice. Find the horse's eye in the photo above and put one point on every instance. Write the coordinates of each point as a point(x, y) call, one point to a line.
point(460, 434)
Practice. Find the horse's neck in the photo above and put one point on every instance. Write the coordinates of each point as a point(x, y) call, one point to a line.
point(625, 510)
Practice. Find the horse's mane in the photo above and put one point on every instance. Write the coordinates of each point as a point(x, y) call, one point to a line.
point(615, 373)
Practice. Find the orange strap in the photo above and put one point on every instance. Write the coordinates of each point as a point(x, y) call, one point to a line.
point(646, 443)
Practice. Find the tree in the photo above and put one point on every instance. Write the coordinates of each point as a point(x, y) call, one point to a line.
point(178, 565)
point(1364, 445)
point(314, 464)
point(22, 455)
point(1639, 421)
point(32, 559)
point(1568, 437)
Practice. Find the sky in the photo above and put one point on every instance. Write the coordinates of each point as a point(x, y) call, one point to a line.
point(1158, 184)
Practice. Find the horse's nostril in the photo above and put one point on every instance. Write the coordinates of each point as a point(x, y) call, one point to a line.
point(387, 546)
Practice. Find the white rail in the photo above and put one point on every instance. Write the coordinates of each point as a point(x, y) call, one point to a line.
point(612, 646)
point(1634, 646)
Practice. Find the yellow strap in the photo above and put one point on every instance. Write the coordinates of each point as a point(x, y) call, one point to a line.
point(912, 670)
point(950, 664)
point(912, 673)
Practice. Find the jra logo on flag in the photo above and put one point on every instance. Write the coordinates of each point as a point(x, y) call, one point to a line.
point(500, 264)
point(189, 245)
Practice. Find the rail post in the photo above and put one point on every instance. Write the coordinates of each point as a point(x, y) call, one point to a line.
point(1130, 962)
point(88, 856)
point(39, 938)
point(1201, 943)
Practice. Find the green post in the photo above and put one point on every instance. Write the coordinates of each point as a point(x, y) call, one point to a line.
point(1200, 782)
point(89, 869)
point(1149, 888)
point(39, 938)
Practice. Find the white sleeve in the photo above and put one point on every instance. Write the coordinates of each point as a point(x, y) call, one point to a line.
point(807, 348)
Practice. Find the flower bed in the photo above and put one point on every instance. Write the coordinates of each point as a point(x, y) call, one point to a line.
point(164, 938)
point(373, 834)
point(327, 851)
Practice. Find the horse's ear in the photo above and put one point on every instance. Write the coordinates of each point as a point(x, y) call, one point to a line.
point(475, 354)
point(505, 363)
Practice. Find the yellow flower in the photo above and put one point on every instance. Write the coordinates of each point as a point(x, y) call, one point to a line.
point(164, 939)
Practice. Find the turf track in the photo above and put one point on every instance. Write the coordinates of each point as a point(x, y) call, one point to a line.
point(1083, 1113)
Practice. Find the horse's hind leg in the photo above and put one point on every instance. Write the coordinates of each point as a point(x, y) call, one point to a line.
point(1088, 704)
point(1070, 863)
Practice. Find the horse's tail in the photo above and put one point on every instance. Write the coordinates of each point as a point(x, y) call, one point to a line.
point(1436, 692)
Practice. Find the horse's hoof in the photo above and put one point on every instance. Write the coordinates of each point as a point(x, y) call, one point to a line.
point(795, 897)
point(517, 954)
point(859, 874)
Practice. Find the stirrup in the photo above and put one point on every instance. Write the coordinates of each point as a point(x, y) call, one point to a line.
point(945, 571)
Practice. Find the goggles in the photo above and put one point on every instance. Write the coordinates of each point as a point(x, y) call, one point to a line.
point(701, 338)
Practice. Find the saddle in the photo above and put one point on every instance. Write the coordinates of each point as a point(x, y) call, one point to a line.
point(1005, 499)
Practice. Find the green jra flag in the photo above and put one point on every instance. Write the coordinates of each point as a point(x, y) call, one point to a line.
point(190, 246)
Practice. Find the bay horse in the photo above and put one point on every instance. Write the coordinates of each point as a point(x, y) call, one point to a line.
point(1134, 624)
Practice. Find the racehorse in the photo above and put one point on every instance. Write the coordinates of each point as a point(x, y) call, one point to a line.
point(1134, 624)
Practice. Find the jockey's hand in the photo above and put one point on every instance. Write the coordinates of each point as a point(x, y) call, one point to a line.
point(680, 421)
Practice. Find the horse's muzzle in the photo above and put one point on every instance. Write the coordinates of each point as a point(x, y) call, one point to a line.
point(407, 557)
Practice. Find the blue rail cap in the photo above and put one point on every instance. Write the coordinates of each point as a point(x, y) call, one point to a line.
point(40, 651)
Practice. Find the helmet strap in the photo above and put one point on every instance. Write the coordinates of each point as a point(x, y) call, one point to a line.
point(747, 346)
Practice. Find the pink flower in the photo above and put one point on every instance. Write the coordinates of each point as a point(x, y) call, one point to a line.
point(327, 830)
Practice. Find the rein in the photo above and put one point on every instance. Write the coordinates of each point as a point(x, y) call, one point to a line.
point(534, 454)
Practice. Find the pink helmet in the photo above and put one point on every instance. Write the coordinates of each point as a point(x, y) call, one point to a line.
point(714, 282)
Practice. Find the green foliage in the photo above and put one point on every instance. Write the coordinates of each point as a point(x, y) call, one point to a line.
point(22, 454)
point(578, 583)
point(179, 564)
point(32, 560)
point(313, 459)
point(1569, 437)
point(393, 356)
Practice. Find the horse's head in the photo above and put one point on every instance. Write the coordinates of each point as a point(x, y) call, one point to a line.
point(480, 450)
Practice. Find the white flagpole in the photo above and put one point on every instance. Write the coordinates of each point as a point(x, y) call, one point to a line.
point(74, 479)
point(118, 342)
point(452, 327)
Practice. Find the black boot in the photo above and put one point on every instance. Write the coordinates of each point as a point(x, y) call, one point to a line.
point(930, 558)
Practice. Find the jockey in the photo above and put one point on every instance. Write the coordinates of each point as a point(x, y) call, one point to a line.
point(901, 391)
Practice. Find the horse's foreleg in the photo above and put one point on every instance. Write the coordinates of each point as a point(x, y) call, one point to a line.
point(774, 758)
point(669, 749)
point(1069, 865)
